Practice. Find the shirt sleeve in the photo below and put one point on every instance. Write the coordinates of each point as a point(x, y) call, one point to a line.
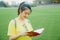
point(11, 28)
point(29, 26)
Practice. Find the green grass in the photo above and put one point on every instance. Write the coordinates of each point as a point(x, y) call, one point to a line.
point(46, 17)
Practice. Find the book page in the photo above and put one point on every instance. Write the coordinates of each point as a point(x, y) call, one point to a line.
point(39, 30)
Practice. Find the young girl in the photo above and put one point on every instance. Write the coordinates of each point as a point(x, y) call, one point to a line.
point(20, 27)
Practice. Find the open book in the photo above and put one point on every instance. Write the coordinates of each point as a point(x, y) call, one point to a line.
point(36, 32)
point(39, 30)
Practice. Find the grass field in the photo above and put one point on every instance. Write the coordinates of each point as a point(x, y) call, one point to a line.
point(47, 17)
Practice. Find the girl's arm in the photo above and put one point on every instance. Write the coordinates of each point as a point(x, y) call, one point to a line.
point(13, 37)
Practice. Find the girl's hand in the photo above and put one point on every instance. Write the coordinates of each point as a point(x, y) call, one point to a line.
point(23, 33)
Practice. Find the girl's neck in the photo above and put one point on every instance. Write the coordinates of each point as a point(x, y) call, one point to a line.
point(20, 18)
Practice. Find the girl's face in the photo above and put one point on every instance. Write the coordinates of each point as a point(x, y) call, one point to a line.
point(25, 13)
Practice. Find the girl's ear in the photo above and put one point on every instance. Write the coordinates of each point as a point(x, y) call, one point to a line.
point(20, 11)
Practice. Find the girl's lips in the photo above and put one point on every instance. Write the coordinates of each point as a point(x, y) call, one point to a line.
point(25, 17)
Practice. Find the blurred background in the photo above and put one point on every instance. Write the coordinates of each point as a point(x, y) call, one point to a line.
point(15, 3)
point(45, 13)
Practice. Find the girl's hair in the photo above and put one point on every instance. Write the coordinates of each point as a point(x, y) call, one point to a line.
point(23, 6)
